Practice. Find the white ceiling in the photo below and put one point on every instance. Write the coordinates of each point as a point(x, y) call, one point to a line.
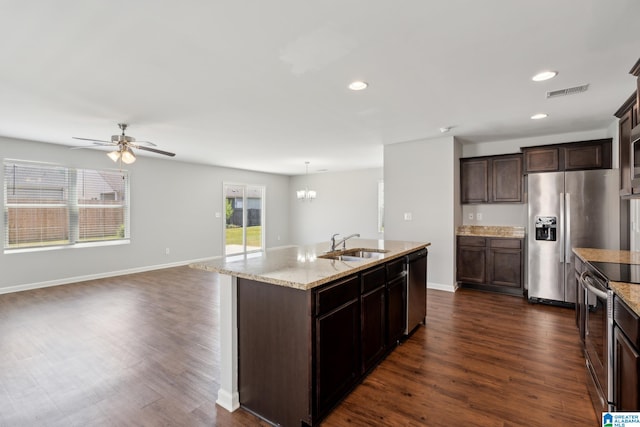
point(262, 85)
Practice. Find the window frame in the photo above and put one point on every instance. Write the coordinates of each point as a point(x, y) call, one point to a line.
point(74, 203)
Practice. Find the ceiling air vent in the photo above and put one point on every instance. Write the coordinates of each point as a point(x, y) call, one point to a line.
point(567, 91)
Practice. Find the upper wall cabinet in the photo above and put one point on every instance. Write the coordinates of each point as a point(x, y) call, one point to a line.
point(629, 119)
point(491, 179)
point(573, 156)
point(628, 115)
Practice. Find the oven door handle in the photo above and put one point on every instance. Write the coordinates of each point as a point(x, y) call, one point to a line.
point(585, 279)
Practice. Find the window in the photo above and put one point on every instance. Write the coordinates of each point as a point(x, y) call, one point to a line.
point(47, 205)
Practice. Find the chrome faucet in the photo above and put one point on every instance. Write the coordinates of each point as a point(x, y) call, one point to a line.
point(335, 244)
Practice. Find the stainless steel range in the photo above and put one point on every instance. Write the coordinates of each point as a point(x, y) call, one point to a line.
point(595, 314)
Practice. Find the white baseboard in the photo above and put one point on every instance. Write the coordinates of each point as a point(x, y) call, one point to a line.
point(76, 279)
point(442, 287)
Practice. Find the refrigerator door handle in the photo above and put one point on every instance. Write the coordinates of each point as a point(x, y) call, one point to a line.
point(567, 227)
point(561, 227)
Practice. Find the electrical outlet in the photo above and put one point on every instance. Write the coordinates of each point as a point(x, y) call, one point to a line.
point(218, 214)
point(407, 216)
point(471, 215)
point(479, 216)
point(167, 251)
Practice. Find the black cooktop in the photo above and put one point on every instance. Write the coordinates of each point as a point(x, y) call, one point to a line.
point(616, 272)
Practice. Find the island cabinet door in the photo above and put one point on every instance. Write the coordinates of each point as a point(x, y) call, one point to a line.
point(396, 312)
point(373, 316)
point(337, 343)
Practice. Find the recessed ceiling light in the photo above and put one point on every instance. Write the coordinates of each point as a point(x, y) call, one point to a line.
point(358, 85)
point(539, 116)
point(544, 75)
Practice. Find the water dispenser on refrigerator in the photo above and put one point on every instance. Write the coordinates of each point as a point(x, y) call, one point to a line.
point(546, 228)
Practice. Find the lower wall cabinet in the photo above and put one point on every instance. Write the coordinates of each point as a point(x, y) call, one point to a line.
point(491, 263)
point(626, 361)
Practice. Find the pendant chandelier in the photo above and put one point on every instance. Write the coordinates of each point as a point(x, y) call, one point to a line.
point(306, 194)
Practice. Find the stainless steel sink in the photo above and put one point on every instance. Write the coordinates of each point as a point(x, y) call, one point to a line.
point(359, 254)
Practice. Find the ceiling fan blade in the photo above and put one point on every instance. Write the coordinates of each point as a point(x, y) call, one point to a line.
point(95, 145)
point(91, 139)
point(154, 150)
point(147, 143)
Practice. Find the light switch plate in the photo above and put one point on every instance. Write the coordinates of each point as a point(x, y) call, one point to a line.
point(407, 216)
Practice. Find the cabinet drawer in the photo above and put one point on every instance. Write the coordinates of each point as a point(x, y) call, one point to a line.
point(337, 294)
point(395, 269)
point(374, 278)
point(627, 321)
point(506, 243)
point(471, 241)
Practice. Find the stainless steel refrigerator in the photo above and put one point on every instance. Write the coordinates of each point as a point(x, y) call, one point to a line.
point(568, 210)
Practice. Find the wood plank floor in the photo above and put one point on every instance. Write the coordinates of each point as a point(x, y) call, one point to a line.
point(143, 350)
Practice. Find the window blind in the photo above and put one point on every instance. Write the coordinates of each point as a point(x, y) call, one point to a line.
point(48, 205)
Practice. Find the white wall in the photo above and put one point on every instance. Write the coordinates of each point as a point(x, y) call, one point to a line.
point(422, 178)
point(347, 203)
point(173, 205)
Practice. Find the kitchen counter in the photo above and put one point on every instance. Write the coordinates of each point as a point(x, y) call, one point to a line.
point(491, 231)
point(302, 268)
point(628, 292)
point(265, 294)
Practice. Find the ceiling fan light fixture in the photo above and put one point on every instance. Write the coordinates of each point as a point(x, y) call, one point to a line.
point(127, 156)
point(114, 155)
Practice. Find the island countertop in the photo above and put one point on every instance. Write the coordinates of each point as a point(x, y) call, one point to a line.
point(628, 292)
point(301, 267)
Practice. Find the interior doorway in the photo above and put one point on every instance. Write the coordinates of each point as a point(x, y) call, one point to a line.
point(244, 219)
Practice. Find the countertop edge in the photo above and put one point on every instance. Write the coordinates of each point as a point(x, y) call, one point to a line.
point(622, 290)
point(361, 265)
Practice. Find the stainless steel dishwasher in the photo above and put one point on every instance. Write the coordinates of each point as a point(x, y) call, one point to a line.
point(416, 289)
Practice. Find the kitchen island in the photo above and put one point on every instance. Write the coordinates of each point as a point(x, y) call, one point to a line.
point(300, 327)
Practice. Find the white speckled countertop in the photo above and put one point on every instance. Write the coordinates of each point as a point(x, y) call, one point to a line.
point(491, 231)
point(628, 292)
point(301, 268)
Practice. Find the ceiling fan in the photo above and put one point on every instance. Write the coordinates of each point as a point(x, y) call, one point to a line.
point(123, 145)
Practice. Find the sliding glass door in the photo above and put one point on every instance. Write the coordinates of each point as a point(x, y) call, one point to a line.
point(244, 219)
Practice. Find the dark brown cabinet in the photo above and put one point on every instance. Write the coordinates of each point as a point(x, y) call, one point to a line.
point(337, 347)
point(396, 301)
point(628, 115)
point(505, 263)
point(472, 259)
point(474, 180)
point(490, 263)
point(374, 316)
point(491, 179)
point(572, 156)
point(301, 352)
point(626, 364)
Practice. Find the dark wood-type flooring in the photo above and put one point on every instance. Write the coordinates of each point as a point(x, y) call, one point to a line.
point(143, 349)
